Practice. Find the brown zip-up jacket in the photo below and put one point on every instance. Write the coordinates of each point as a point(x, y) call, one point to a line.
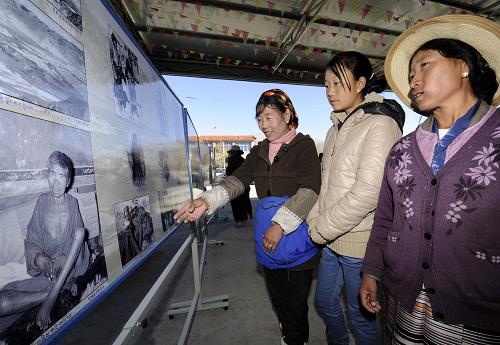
point(295, 166)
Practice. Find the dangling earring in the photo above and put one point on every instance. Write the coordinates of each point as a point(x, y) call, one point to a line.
point(465, 75)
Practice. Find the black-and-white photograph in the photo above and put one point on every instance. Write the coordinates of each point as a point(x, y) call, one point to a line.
point(163, 162)
point(71, 10)
point(51, 254)
point(194, 154)
point(125, 69)
point(40, 62)
point(134, 227)
point(136, 162)
point(167, 208)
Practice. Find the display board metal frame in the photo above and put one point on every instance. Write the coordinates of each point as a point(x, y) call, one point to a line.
point(80, 118)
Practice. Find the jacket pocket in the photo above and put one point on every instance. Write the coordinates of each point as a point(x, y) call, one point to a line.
point(482, 272)
point(392, 253)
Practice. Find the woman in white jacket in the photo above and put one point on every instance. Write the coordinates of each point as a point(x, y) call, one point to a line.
point(365, 126)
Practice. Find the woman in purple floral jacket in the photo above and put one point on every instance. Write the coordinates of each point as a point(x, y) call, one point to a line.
point(435, 241)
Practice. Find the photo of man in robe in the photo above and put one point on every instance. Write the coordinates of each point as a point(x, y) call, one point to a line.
point(134, 227)
point(56, 253)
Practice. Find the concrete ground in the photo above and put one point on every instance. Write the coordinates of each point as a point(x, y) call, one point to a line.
point(230, 269)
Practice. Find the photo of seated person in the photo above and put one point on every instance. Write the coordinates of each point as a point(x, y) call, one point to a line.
point(56, 254)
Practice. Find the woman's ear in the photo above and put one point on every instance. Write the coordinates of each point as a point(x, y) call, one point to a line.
point(464, 69)
point(360, 84)
point(287, 115)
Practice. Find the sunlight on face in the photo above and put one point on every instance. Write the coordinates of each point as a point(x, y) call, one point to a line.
point(273, 123)
point(435, 80)
point(338, 93)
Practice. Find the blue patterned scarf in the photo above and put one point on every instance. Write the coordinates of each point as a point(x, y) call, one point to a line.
point(442, 144)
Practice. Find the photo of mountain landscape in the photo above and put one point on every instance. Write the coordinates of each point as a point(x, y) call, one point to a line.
point(40, 62)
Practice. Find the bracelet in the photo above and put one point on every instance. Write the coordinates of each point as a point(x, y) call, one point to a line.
point(372, 276)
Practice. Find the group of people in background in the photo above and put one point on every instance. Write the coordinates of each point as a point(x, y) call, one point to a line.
point(416, 215)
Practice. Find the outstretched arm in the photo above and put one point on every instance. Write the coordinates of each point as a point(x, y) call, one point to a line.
point(43, 315)
point(191, 211)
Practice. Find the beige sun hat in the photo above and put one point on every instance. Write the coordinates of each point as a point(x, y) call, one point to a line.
point(481, 33)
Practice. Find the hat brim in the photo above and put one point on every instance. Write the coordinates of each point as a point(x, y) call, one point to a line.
point(481, 33)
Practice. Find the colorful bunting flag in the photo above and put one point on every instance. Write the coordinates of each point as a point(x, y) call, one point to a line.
point(269, 40)
point(236, 33)
point(341, 5)
point(270, 6)
point(365, 11)
point(389, 15)
point(351, 29)
point(245, 36)
point(355, 6)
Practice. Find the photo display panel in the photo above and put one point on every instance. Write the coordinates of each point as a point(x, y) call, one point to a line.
point(194, 158)
point(93, 161)
point(206, 164)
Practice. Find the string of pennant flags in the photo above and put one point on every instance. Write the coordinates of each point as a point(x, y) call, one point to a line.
point(373, 31)
point(366, 12)
point(178, 53)
point(225, 61)
point(353, 31)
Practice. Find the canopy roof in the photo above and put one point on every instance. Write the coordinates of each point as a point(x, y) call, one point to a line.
point(276, 41)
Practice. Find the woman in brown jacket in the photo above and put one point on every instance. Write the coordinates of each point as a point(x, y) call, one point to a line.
point(286, 170)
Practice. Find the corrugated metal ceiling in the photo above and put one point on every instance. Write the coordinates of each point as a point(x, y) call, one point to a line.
point(278, 41)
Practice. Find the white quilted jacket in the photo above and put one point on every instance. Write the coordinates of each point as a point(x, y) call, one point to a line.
point(352, 170)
